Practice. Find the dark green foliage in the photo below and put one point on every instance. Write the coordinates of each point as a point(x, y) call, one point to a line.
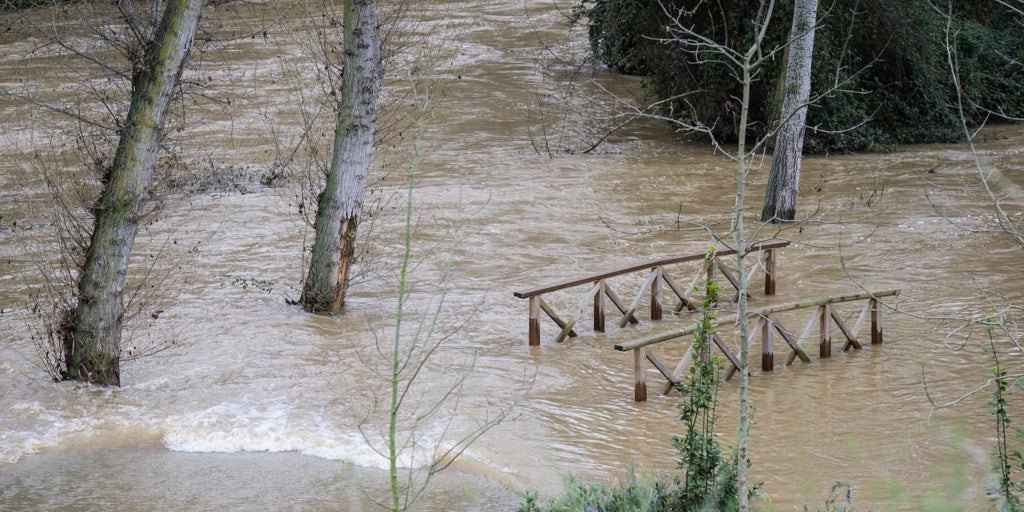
point(904, 89)
point(880, 76)
point(614, 37)
point(991, 80)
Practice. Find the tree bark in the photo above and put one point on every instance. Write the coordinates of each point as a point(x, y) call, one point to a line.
point(784, 177)
point(341, 201)
point(92, 332)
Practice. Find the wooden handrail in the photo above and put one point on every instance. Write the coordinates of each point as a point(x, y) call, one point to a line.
point(824, 317)
point(768, 310)
point(640, 266)
point(600, 289)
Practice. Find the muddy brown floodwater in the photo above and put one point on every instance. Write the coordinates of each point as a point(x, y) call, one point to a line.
point(258, 405)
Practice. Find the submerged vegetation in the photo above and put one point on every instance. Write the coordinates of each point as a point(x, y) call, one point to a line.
point(879, 76)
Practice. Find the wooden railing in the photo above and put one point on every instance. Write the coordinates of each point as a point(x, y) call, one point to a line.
point(599, 289)
point(767, 325)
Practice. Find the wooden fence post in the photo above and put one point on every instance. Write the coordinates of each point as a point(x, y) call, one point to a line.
point(640, 374)
point(876, 322)
point(599, 307)
point(767, 350)
point(534, 320)
point(656, 294)
point(769, 272)
point(825, 324)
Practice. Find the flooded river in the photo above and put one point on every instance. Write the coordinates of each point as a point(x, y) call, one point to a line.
point(255, 404)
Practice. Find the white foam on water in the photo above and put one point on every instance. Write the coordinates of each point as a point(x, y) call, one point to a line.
point(44, 427)
point(277, 428)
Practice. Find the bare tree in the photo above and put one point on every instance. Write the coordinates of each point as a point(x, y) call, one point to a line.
point(411, 54)
point(407, 348)
point(744, 63)
point(784, 177)
point(340, 204)
point(92, 331)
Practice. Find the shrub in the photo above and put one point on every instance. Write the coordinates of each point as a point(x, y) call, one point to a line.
point(632, 496)
point(889, 58)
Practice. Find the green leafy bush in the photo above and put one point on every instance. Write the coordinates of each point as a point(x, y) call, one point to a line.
point(633, 496)
point(880, 76)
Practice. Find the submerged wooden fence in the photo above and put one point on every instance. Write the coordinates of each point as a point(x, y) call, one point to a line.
point(767, 325)
point(599, 289)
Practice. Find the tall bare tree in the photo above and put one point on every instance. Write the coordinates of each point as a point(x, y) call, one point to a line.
point(341, 202)
point(784, 177)
point(744, 62)
point(92, 331)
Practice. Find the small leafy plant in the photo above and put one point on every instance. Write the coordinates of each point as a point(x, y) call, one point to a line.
point(700, 456)
point(1008, 462)
point(634, 496)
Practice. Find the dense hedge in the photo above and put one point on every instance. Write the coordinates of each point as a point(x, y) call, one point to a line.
point(891, 55)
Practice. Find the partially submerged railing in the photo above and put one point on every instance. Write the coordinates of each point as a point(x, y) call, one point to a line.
point(600, 289)
point(767, 325)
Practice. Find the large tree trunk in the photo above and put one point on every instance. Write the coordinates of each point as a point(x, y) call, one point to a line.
point(92, 333)
point(784, 178)
point(341, 202)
